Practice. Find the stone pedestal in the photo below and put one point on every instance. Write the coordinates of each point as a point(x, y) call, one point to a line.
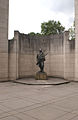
point(41, 76)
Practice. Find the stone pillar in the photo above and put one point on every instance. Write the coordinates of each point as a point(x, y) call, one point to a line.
point(69, 58)
point(76, 41)
point(4, 6)
point(14, 57)
point(16, 38)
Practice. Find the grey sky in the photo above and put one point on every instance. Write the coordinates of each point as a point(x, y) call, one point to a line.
point(27, 15)
point(66, 6)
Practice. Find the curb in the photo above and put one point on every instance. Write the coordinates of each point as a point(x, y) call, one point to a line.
point(24, 83)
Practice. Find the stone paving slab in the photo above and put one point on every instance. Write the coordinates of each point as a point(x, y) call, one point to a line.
point(50, 81)
point(68, 116)
point(47, 112)
point(23, 116)
point(9, 118)
point(70, 103)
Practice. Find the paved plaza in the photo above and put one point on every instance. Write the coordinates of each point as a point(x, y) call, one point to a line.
point(38, 102)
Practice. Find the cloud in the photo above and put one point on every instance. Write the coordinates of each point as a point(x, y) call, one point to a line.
point(65, 6)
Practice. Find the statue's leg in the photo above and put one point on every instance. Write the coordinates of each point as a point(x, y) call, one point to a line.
point(42, 66)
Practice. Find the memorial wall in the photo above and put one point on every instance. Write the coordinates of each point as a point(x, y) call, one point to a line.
point(60, 61)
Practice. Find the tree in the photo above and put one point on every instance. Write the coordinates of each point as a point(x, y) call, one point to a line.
point(52, 27)
point(38, 34)
point(31, 33)
point(72, 32)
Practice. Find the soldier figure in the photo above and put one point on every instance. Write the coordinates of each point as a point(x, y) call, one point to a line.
point(40, 60)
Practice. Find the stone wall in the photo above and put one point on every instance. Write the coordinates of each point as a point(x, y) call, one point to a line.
point(76, 44)
point(4, 5)
point(60, 60)
point(69, 58)
point(13, 57)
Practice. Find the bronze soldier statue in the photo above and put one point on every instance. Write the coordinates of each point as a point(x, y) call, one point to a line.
point(40, 60)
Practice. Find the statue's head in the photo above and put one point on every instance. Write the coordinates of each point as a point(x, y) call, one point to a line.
point(40, 50)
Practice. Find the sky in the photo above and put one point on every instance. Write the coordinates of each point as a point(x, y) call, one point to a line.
point(27, 15)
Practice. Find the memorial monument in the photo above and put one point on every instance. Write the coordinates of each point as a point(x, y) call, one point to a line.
point(40, 62)
point(17, 55)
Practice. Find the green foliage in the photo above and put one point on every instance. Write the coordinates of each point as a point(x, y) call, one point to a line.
point(52, 27)
point(31, 33)
point(38, 33)
point(72, 32)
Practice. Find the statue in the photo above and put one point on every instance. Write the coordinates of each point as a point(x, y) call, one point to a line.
point(41, 75)
point(40, 60)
